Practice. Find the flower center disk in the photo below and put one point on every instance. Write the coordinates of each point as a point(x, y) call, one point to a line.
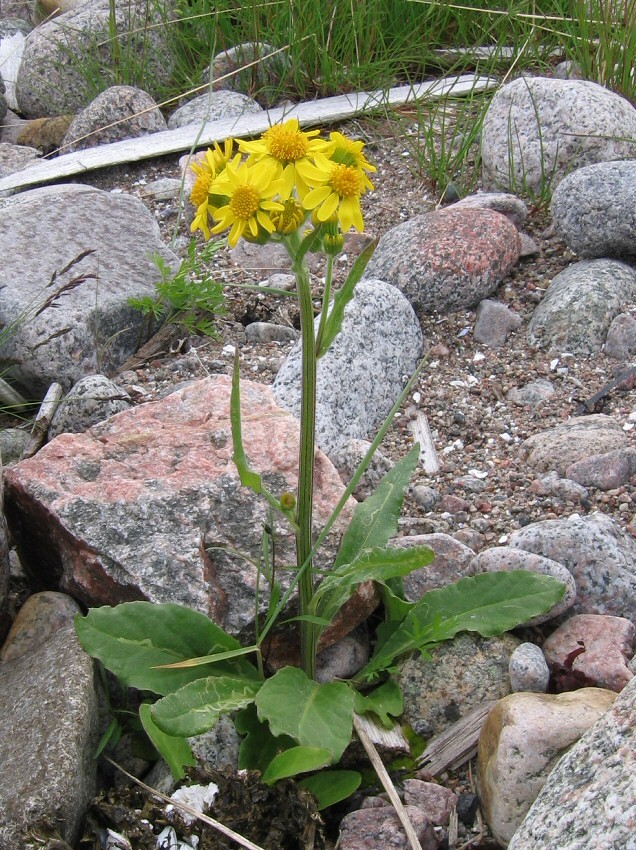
point(245, 202)
point(286, 145)
point(346, 181)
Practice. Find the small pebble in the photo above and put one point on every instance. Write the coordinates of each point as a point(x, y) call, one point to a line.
point(528, 670)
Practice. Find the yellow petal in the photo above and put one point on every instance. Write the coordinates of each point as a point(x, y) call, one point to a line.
point(328, 208)
point(315, 197)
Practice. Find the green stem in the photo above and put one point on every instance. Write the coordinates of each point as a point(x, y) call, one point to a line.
point(325, 301)
point(306, 455)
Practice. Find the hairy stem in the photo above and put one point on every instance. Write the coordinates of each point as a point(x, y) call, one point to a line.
point(306, 455)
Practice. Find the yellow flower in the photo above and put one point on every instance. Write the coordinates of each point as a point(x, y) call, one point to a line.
point(339, 193)
point(347, 152)
point(210, 167)
point(291, 150)
point(290, 218)
point(249, 190)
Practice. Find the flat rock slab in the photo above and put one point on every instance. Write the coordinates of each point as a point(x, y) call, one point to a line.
point(82, 333)
point(132, 508)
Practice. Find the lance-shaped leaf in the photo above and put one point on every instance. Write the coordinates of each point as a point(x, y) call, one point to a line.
point(374, 521)
point(341, 299)
point(176, 752)
point(132, 639)
point(314, 715)
point(489, 603)
point(196, 707)
point(372, 565)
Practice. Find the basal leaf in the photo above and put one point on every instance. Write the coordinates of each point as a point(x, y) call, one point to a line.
point(258, 746)
point(314, 715)
point(175, 751)
point(374, 521)
point(293, 761)
point(385, 702)
point(134, 638)
point(331, 786)
point(195, 707)
point(489, 603)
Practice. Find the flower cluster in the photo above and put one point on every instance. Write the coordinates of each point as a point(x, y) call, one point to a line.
point(271, 185)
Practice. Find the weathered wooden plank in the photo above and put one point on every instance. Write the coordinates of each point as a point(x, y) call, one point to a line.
point(317, 112)
point(458, 744)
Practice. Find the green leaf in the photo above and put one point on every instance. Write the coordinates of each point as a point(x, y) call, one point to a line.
point(175, 751)
point(341, 299)
point(489, 603)
point(133, 638)
point(293, 761)
point(372, 565)
point(374, 521)
point(195, 707)
point(248, 477)
point(259, 746)
point(383, 701)
point(314, 715)
point(332, 786)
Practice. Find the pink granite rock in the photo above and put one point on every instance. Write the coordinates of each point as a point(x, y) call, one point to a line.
point(148, 504)
point(374, 828)
point(608, 643)
point(434, 800)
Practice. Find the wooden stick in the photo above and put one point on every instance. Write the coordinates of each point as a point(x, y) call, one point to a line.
point(42, 421)
point(385, 779)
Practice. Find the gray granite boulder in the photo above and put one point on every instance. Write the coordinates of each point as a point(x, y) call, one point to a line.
point(89, 401)
point(447, 259)
point(213, 106)
point(597, 552)
point(461, 675)
point(253, 66)
point(50, 81)
point(578, 308)
point(15, 157)
point(13, 32)
point(589, 799)
point(48, 733)
point(502, 202)
point(538, 129)
point(362, 373)
point(594, 209)
point(91, 328)
point(120, 112)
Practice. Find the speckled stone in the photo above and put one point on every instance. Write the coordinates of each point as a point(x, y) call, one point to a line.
point(213, 106)
point(447, 259)
point(434, 800)
point(589, 800)
point(522, 739)
point(502, 202)
point(452, 561)
point(461, 675)
point(362, 373)
point(604, 471)
point(621, 337)
point(528, 670)
point(348, 458)
point(119, 112)
point(598, 553)
point(91, 400)
point(594, 209)
point(48, 736)
point(557, 448)
point(537, 129)
point(508, 558)
point(372, 828)
point(532, 394)
point(608, 643)
point(578, 308)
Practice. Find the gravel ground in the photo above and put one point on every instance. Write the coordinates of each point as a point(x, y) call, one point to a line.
point(463, 389)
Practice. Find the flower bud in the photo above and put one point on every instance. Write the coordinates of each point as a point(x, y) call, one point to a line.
point(287, 501)
point(333, 244)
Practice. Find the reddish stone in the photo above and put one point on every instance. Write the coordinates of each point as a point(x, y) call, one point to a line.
point(148, 504)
